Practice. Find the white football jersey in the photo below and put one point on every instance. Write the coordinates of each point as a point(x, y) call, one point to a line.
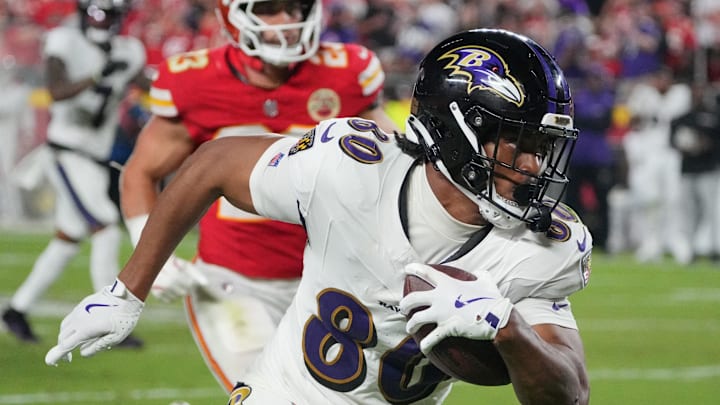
point(71, 119)
point(343, 339)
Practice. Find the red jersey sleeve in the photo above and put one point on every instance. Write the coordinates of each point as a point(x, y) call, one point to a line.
point(367, 74)
point(371, 76)
point(171, 93)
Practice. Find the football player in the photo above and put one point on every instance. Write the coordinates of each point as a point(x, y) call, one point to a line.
point(89, 67)
point(273, 76)
point(474, 183)
point(654, 168)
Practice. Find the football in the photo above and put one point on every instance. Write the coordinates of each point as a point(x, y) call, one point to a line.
point(473, 361)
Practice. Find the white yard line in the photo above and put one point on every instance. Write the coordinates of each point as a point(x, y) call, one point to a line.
point(696, 294)
point(649, 324)
point(95, 397)
point(17, 259)
point(655, 374)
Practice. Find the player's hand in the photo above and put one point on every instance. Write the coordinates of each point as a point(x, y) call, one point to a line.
point(472, 309)
point(97, 323)
point(176, 279)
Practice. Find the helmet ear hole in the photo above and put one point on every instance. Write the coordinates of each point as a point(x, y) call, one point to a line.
point(440, 129)
point(434, 126)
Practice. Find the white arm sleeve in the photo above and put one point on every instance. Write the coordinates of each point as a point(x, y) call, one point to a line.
point(135, 227)
point(272, 186)
point(537, 310)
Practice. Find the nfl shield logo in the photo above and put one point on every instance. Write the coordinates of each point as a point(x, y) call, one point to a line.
point(270, 108)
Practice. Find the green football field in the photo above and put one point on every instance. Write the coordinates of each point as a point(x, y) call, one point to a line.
point(652, 336)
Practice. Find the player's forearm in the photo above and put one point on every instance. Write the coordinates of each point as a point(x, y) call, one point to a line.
point(162, 233)
point(162, 146)
point(178, 208)
point(67, 90)
point(58, 84)
point(541, 373)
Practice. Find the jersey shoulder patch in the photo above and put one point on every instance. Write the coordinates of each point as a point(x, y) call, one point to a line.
point(304, 143)
point(337, 139)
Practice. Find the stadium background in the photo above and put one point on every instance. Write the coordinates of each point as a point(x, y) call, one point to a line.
point(651, 330)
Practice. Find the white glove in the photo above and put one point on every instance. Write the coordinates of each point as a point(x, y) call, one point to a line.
point(176, 279)
point(471, 309)
point(98, 322)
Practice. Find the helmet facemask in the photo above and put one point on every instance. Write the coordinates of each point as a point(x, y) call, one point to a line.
point(552, 141)
point(244, 23)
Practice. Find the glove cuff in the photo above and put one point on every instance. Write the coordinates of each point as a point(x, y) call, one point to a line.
point(499, 315)
point(119, 290)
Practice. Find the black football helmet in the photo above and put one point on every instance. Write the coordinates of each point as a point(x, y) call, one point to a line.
point(100, 20)
point(478, 86)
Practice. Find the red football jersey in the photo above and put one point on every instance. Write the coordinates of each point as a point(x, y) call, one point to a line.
point(211, 98)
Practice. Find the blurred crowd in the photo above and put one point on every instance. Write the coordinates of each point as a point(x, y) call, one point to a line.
point(645, 76)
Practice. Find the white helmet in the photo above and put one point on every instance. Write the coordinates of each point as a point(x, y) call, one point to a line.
point(242, 21)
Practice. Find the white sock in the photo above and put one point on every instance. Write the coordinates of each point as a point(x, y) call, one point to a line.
point(104, 251)
point(47, 268)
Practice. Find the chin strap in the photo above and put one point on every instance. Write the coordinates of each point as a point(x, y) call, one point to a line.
point(541, 221)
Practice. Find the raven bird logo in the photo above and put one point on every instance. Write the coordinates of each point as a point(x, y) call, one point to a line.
point(485, 70)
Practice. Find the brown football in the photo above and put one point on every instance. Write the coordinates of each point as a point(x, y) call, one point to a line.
point(473, 361)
